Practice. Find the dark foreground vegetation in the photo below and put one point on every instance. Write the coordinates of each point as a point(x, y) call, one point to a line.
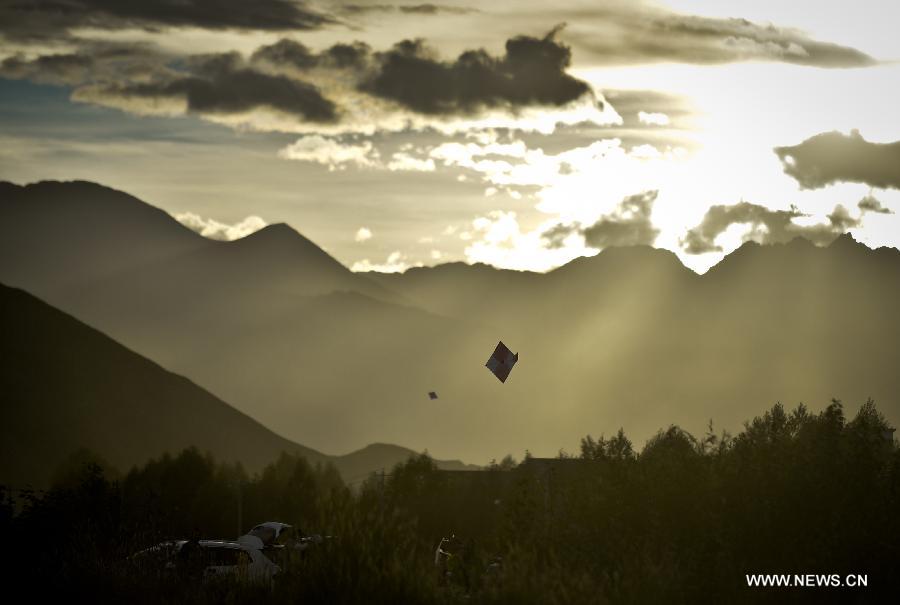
point(682, 521)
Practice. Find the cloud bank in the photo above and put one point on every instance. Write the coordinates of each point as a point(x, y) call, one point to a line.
point(213, 229)
point(344, 88)
point(872, 204)
point(219, 84)
point(330, 152)
point(765, 226)
point(628, 225)
point(833, 157)
point(627, 32)
point(396, 262)
point(45, 19)
point(531, 72)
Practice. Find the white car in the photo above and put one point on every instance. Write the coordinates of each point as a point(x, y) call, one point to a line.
point(276, 539)
point(219, 558)
point(268, 534)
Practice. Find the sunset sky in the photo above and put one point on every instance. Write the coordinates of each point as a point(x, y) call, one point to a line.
point(520, 134)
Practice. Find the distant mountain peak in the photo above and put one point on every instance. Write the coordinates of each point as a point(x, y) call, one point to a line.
point(79, 187)
point(275, 230)
point(388, 455)
point(278, 234)
point(282, 239)
point(624, 258)
point(846, 241)
point(99, 206)
point(280, 229)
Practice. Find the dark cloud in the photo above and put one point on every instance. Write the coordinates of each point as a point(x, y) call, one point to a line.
point(555, 236)
point(435, 9)
point(833, 157)
point(41, 19)
point(871, 204)
point(138, 77)
point(531, 72)
point(361, 9)
point(631, 32)
point(287, 52)
point(766, 226)
point(353, 55)
point(411, 9)
point(628, 225)
point(71, 68)
point(223, 84)
point(291, 53)
point(287, 75)
point(840, 220)
point(92, 61)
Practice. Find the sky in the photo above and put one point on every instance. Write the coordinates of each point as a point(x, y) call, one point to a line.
point(519, 134)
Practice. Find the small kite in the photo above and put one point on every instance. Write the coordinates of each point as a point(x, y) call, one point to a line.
point(432, 395)
point(502, 361)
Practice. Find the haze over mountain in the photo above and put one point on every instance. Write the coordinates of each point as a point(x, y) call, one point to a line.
point(95, 237)
point(333, 359)
point(66, 386)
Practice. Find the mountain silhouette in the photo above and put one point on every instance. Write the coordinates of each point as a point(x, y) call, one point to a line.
point(67, 387)
point(90, 236)
point(627, 338)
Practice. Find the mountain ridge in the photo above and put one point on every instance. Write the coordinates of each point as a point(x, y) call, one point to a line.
point(616, 340)
point(283, 234)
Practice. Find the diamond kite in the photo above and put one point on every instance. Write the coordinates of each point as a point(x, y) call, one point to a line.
point(432, 395)
point(502, 361)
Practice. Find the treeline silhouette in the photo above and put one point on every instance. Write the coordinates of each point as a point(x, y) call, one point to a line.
point(681, 521)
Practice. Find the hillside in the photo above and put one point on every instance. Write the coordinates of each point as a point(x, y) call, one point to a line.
point(66, 386)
